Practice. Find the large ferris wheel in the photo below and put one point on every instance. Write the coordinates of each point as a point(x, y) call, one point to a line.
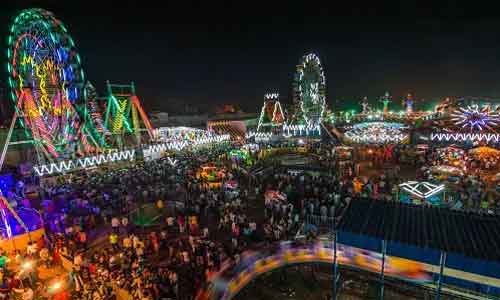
point(46, 83)
point(310, 90)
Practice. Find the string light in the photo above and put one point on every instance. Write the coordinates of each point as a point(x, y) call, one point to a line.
point(311, 94)
point(423, 189)
point(84, 163)
point(376, 133)
point(301, 130)
point(271, 102)
point(474, 117)
point(465, 137)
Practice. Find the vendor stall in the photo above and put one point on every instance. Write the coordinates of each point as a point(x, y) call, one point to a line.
point(453, 156)
point(488, 157)
point(211, 174)
point(446, 172)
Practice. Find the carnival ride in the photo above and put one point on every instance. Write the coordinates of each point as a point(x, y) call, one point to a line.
point(226, 283)
point(93, 114)
point(468, 124)
point(475, 117)
point(56, 106)
point(271, 114)
point(309, 91)
point(125, 116)
point(46, 83)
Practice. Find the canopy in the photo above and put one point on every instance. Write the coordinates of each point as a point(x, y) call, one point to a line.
point(446, 169)
point(485, 152)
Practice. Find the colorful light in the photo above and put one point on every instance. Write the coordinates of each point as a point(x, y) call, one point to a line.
point(474, 117)
point(310, 89)
point(465, 137)
point(423, 189)
point(271, 113)
point(84, 163)
point(46, 80)
point(301, 130)
point(377, 133)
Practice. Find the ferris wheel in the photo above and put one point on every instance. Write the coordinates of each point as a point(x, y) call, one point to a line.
point(310, 90)
point(46, 82)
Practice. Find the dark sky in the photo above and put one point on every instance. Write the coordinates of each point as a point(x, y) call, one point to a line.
point(235, 51)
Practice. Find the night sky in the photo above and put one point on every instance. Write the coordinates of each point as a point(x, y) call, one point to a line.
point(235, 51)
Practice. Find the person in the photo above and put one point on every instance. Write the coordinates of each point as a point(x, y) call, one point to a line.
point(115, 224)
point(125, 224)
point(3, 260)
point(82, 238)
point(26, 293)
point(113, 240)
point(4, 286)
point(45, 257)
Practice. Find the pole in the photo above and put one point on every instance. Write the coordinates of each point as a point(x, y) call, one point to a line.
point(335, 268)
point(335, 271)
point(7, 140)
point(382, 270)
point(442, 263)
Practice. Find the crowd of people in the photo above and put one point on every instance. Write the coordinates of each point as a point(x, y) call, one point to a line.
point(91, 220)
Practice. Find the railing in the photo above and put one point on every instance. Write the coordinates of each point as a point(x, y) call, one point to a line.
point(323, 223)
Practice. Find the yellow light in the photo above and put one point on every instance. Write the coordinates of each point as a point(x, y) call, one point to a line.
point(27, 265)
point(57, 285)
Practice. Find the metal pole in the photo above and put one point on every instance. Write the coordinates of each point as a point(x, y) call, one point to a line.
point(334, 291)
point(442, 263)
point(7, 140)
point(382, 271)
point(335, 269)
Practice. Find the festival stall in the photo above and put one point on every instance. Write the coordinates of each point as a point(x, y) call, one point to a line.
point(446, 172)
point(488, 157)
point(211, 174)
point(343, 156)
point(241, 156)
point(453, 156)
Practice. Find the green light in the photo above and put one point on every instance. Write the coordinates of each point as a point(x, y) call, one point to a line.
point(78, 59)
point(9, 69)
point(11, 83)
